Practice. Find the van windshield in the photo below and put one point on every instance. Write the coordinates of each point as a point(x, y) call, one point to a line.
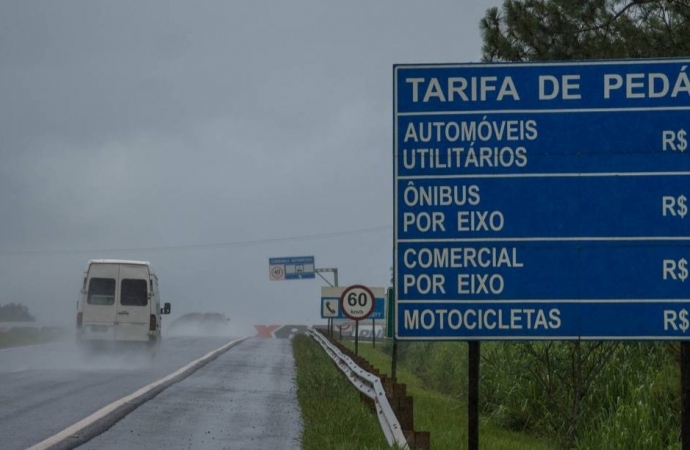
point(133, 293)
point(101, 291)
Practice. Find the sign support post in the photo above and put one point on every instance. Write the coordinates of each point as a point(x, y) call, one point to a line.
point(685, 395)
point(473, 396)
point(357, 302)
point(373, 333)
point(356, 337)
point(390, 330)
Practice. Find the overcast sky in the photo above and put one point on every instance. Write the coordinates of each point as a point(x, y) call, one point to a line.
point(158, 124)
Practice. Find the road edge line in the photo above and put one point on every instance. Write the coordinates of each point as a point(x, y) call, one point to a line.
point(45, 344)
point(100, 421)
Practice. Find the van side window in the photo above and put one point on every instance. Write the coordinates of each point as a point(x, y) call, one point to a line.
point(101, 291)
point(133, 293)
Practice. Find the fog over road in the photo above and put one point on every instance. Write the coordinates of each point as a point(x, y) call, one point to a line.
point(226, 404)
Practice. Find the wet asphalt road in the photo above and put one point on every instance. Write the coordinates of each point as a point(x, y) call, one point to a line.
point(45, 389)
point(246, 399)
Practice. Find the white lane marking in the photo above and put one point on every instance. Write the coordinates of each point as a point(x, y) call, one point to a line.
point(77, 427)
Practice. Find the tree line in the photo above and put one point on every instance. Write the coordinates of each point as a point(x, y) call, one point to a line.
point(15, 312)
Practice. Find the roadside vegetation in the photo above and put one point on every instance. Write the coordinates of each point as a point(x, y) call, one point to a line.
point(14, 333)
point(443, 412)
point(17, 337)
point(611, 396)
point(334, 416)
point(15, 312)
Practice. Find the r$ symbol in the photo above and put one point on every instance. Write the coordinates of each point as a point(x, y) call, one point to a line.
point(684, 322)
point(674, 206)
point(682, 206)
point(682, 141)
point(675, 141)
point(683, 269)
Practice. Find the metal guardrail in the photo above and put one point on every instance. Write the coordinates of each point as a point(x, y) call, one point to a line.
point(369, 385)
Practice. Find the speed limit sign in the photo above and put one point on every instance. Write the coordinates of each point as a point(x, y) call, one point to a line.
point(357, 302)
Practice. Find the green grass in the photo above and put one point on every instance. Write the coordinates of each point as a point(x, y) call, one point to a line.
point(445, 416)
point(334, 417)
point(18, 337)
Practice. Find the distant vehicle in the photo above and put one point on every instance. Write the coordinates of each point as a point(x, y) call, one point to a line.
point(120, 306)
point(200, 324)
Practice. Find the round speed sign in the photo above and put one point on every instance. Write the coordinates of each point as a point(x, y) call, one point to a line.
point(357, 302)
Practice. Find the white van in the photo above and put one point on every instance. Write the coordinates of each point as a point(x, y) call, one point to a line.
point(120, 305)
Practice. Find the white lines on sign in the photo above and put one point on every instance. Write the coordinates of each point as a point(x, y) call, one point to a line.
point(546, 239)
point(103, 412)
point(545, 175)
point(541, 111)
point(476, 302)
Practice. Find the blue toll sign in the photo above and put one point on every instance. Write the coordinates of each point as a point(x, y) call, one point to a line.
point(291, 268)
point(542, 200)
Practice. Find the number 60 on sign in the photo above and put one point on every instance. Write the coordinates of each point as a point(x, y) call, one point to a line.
point(357, 302)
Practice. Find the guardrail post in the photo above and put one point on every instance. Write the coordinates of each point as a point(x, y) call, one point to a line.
point(387, 386)
point(399, 392)
point(405, 413)
point(369, 402)
point(422, 440)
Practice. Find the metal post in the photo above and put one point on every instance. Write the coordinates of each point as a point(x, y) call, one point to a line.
point(340, 332)
point(335, 284)
point(394, 358)
point(473, 397)
point(356, 337)
point(390, 332)
point(685, 395)
point(373, 332)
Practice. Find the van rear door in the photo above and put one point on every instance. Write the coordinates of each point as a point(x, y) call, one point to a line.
point(99, 306)
point(133, 312)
